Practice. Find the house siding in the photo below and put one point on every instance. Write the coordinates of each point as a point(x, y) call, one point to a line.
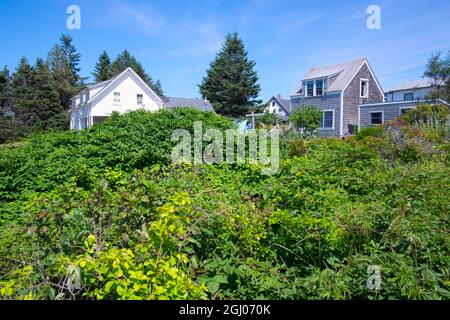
point(352, 97)
point(326, 102)
point(390, 111)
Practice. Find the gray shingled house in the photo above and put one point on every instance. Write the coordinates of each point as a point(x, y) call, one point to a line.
point(338, 90)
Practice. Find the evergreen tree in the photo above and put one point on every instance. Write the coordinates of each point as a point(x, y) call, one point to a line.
point(102, 70)
point(49, 111)
point(63, 61)
point(22, 94)
point(158, 89)
point(231, 83)
point(126, 60)
point(5, 93)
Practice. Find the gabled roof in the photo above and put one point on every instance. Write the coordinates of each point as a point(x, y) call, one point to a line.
point(107, 84)
point(415, 84)
point(170, 103)
point(285, 104)
point(345, 72)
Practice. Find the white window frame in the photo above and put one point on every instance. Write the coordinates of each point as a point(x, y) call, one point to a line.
point(306, 87)
point(137, 99)
point(404, 108)
point(115, 94)
point(323, 120)
point(314, 81)
point(360, 88)
point(370, 117)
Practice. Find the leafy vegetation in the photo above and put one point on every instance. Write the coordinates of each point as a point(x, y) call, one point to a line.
point(307, 119)
point(106, 207)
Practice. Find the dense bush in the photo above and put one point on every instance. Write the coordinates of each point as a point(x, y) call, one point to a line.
point(106, 207)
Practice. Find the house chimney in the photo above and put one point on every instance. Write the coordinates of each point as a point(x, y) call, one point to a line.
point(279, 95)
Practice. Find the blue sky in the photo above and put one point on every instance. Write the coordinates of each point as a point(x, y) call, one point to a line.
point(177, 39)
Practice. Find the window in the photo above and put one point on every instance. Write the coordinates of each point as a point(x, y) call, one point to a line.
point(116, 97)
point(364, 88)
point(140, 99)
point(273, 103)
point(319, 87)
point(404, 110)
point(328, 119)
point(376, 117)
point(310, 88)
point(408, 96)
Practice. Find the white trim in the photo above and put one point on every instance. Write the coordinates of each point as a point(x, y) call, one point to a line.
point(370, 118)
point(116, 79)
point(374, 77)
point(323, 120)
point(314, 81)
point(341, 115)
point(361, 80)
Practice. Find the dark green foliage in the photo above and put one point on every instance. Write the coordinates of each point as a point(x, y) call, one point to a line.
point(126, 60)
point(307, 118)
point(102, 70)
point(63, 61)
point(231, 83)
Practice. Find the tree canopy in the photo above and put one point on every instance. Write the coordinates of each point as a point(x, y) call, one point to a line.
point(231, 83)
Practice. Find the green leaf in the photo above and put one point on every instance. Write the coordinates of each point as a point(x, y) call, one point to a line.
point(213, 286)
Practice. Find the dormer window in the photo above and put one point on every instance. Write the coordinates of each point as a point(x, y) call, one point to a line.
point(364, 88)
point(319, 87)
point(310, 88)
point(314, 88)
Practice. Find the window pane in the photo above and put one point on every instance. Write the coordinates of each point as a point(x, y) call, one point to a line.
point(319, 87)
point(328, 119)
point(408, 97)
point(310, 88)
point(140, 99)
point(376, 118)
point(364, 85)
point(116, 97)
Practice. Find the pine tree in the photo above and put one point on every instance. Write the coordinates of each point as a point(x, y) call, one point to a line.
point(63, 61)
point(22, 94)
point(231, 83)
point(158, 88)
point(49, 111)
point(5, 93)
point(102, 70)
point(126, 60)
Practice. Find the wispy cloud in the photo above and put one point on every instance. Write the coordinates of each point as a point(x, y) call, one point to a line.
point(134, 17)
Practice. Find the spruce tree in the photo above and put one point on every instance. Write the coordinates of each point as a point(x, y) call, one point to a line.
point(5, 93)
point(22, 94)
point(49, 111)
point(63, 60)
point(158, 88)
point(126, 60)
point(231, 83)
point(102, 70)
